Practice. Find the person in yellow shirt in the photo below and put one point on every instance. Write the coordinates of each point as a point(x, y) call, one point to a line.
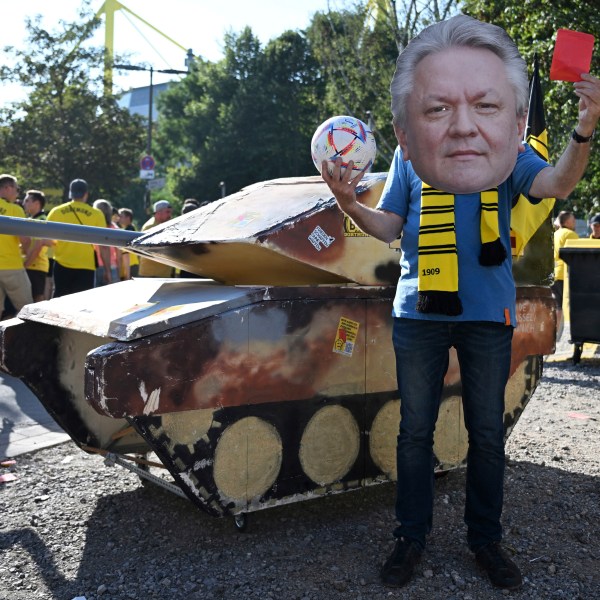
point(566, 231)
point(14, 282)
point(149, 267)
point(74, 262)
point(37, 263)
point(595, 227)
point(126, 222)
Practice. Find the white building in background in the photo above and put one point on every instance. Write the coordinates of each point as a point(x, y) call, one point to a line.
point(136, 100)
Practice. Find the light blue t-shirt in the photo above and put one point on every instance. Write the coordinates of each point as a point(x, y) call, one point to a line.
point(486, 293)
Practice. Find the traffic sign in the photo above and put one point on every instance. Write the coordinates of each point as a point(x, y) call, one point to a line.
point(147, 174)
point(147, 163)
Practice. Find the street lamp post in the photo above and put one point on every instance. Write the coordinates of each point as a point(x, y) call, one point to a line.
point(151, 70)
point(150, 108)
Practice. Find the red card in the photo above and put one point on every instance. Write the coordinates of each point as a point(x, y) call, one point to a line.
point(572, 55)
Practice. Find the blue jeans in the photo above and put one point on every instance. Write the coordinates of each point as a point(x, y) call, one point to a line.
point(483, 350)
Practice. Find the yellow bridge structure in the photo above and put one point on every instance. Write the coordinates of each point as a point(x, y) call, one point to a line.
point(108, 9)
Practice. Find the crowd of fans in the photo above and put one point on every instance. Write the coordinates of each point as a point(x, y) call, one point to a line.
point(35, 269)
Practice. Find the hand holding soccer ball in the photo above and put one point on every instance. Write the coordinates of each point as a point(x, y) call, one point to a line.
point(346, 138)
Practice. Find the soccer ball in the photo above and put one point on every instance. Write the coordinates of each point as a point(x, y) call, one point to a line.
point(345, 137)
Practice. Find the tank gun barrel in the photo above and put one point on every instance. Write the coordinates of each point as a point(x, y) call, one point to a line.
point(102, 236)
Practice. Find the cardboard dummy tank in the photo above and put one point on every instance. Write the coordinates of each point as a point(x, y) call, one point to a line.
point(271, 378)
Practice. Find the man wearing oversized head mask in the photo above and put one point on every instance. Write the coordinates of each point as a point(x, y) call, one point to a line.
point(459, 104)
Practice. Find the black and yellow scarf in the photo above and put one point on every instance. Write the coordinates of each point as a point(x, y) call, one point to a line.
point(438, 255)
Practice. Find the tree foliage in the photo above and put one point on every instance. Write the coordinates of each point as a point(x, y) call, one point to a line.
point(67, 128)
point(533, 25)
point(246, 118)
point(250, 116)
point(358, 62)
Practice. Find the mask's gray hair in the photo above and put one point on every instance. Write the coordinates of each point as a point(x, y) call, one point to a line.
point(458, 31)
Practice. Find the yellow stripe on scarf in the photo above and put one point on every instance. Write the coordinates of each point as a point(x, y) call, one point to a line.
point(493, 251)
point(438, 255)
point(489, 216)
point(438, 258)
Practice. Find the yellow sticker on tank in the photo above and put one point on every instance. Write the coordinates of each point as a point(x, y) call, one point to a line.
point(345, 337)
point(351, 230)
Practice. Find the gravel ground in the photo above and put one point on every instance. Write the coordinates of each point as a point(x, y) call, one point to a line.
point(72, 527)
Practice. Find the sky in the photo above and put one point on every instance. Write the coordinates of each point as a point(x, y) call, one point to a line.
point(196, 24)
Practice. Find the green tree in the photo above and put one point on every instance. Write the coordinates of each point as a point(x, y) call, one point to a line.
point(67, 128)
point(246, 118)
point(251, 116)
point(533, 25)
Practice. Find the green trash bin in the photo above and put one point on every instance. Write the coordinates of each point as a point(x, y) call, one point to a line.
point(583, 260)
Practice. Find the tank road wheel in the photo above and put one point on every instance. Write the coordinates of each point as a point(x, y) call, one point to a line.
point(519, 390)
point(241, 522)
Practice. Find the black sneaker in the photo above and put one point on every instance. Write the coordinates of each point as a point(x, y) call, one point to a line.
point(501, 570)
point(398, 568)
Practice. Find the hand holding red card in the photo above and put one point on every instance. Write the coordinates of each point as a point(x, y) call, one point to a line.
point(572, 55)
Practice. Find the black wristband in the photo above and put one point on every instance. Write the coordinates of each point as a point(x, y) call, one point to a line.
point(580, 139)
